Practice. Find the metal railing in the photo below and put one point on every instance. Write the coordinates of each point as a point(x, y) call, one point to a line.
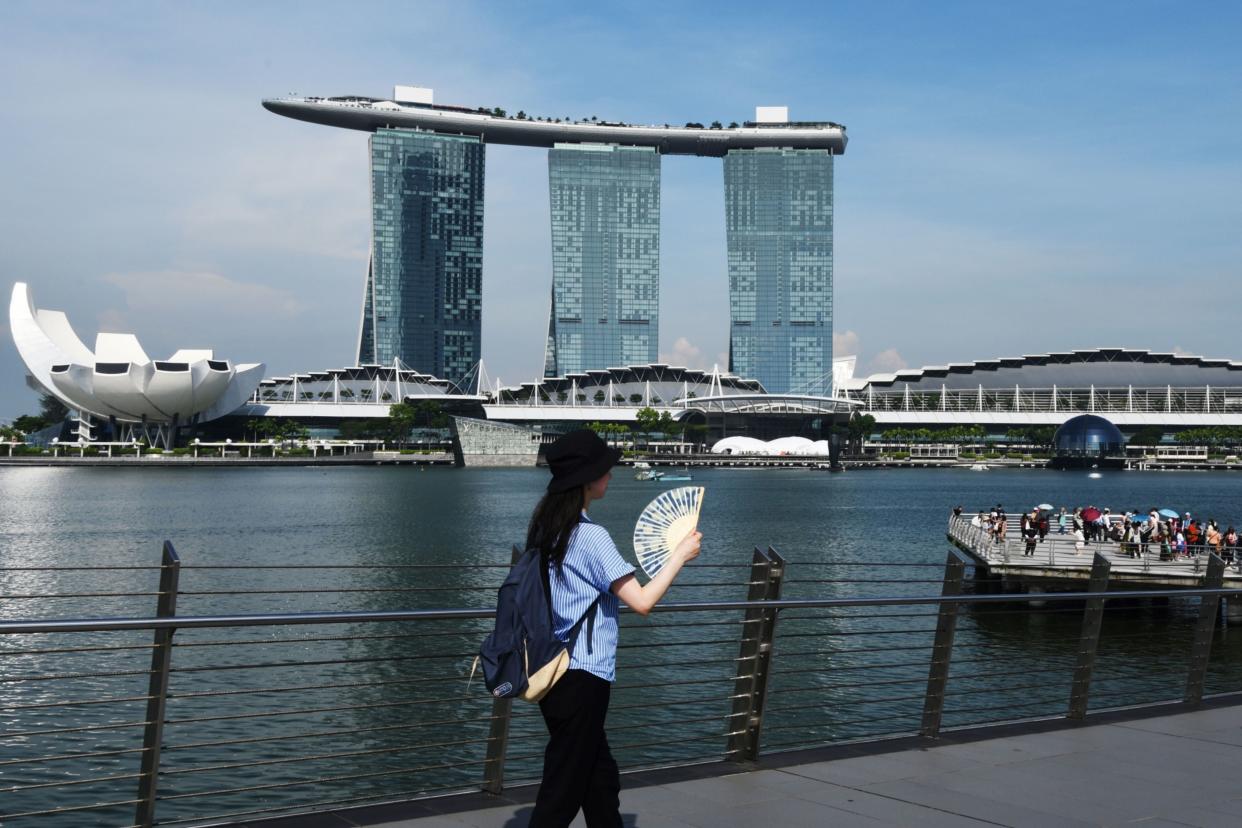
point(247, 715)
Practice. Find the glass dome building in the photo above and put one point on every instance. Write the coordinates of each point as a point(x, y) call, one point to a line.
point(1088, 440)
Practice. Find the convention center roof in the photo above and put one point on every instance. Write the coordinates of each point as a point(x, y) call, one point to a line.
point(1091, 368)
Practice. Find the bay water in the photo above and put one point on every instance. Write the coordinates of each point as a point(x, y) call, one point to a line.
point(264, 718)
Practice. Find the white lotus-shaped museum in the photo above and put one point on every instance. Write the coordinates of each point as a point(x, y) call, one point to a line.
point(118, 382)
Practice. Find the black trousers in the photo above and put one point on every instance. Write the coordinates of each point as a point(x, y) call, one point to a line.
point(579, 772)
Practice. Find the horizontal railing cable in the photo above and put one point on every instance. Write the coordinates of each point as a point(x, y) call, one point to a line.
point(321, 780)
point(13, 626)
point(284, 737)
point(74, 703)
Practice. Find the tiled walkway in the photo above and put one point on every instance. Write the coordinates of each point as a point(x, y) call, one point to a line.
point(1179, 769)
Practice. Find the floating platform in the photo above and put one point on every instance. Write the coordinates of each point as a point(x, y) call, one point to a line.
point(1057, 559)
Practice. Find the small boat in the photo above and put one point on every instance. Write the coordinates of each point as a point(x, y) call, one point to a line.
point(674, 478)
point(643, 471)
point(979, 467)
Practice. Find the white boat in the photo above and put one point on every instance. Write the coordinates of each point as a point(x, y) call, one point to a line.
point(979, 467)
point(643, 471)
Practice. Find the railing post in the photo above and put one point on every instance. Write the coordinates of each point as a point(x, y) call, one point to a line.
point(942, 649)
point(1205, 627)
point(157, 689)
point(1089, 638)
point(755, 657)
point(498, 732)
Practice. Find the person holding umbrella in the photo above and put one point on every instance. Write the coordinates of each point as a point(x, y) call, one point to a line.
point(1045, 510)
point(1089, 517)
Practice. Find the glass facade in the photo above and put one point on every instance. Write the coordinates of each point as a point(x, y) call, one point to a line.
point(605, 203)
point(423, 297)
point(778, 214)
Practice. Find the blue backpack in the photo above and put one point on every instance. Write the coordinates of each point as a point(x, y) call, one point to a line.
point(523, 658)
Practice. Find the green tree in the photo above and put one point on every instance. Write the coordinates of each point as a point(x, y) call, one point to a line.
point(28, 423)
point(1148, 436)
point(647, 419)
point(860, 427)
point(254, 428)
point(430, 414)
point(668, 426)
point(52, 410)
point(402, 417)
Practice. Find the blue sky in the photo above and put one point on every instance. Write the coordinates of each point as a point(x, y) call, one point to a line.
point(1020, 177)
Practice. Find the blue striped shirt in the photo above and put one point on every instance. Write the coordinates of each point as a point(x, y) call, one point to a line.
point(591, 564)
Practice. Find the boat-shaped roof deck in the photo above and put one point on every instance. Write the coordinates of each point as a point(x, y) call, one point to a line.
point(495, 127)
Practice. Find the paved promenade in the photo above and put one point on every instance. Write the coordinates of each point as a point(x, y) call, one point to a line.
point(1162, 770)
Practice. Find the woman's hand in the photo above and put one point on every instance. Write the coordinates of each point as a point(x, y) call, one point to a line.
point(642, 598)
point(688, 549)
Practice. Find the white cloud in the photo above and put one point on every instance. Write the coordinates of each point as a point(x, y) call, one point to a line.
point(887, 361)
point(310, 197)
point(845, 344)
point(183, 291)
point(1180, 351)
point(685, 354)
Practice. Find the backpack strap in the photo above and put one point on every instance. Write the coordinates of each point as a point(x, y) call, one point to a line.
point(589, 618)
point(545, 566)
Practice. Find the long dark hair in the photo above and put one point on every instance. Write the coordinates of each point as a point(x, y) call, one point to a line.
point(552, 523)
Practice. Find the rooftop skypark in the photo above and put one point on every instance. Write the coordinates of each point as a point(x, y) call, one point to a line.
point(412, 108)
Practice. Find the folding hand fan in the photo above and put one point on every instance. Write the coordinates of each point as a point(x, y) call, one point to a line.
point(665, 523)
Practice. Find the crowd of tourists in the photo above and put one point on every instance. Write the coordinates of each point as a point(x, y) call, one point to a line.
point(1161, 532)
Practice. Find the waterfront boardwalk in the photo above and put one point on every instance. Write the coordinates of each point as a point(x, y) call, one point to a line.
point(1056, 558)
point(1147, 768)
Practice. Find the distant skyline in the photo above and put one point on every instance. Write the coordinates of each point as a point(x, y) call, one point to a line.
point(1019, 179)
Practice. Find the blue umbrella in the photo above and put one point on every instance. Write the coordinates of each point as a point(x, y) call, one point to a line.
point(1169, 513)
point(1140, 518)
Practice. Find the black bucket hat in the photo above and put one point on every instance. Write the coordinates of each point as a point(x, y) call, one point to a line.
point(577, 459)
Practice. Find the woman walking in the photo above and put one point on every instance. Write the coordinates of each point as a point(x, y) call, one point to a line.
point(586, 573)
